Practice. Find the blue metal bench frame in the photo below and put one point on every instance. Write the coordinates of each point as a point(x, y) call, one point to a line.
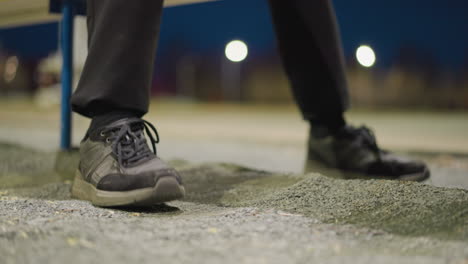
point(68, 8)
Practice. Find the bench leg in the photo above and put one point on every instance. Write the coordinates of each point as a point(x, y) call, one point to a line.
point(67, 74)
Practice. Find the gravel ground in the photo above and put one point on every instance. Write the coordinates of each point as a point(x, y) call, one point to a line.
point(48, 231)
point(231, 214)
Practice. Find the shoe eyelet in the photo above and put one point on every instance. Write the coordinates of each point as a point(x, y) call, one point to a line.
point(108, 140)
point(102, 134)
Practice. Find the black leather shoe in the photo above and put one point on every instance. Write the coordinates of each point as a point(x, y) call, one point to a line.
point(353, 153)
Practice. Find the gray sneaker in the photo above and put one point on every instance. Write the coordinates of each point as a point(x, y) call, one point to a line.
point(117, 168)
point(353, 153)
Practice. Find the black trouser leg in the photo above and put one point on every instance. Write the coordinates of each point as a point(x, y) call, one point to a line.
point(310, 48)
point(122, 45)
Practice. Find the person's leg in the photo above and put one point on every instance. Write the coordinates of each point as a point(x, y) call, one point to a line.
point(122, 38)
point(117, 167)
point(311, 52)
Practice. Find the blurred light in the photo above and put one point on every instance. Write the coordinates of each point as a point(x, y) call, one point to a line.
point(236, 51)
point(11, 67)
point(365, 56)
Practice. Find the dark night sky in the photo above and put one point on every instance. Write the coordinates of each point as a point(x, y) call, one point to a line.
point(437, 27)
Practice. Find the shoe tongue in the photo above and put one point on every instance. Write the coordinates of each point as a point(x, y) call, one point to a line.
point(136, 127)
point(347, 132)
point(320, 132)
point(125, 121)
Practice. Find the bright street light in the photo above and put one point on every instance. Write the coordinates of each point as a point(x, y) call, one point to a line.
point(236, 51)
point(365, 56)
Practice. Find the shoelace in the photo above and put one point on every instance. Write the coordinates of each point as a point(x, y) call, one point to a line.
point(129, 141)
point(368, 139)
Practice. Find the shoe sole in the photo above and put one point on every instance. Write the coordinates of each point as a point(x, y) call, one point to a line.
point(314, 166)
point(166, 189)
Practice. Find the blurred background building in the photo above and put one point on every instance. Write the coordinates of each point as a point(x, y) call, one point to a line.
point(411, 54)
